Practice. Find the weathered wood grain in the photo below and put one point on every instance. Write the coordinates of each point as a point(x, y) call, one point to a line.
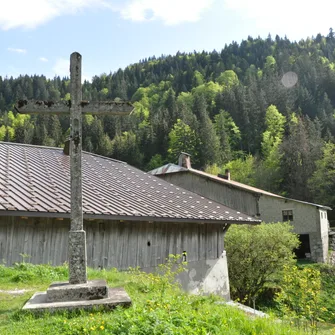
point(109, 243)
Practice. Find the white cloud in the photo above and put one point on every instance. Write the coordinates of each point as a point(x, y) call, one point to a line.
point(32, 13)
point(171, 12)
point(43, 59)
point(20, 51)
point(296, 18)
point(61, 67)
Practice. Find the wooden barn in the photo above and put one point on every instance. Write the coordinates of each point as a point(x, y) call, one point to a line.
point(131, 218)
point(309, 220)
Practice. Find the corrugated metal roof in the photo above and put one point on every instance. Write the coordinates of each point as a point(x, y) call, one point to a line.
point(36, 180)
point(173, 168)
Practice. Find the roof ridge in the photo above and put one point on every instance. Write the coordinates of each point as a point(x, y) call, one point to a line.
point(248, 188)
point(234, 182)
point(60, 148)
point(30, 145)
point(252, 188)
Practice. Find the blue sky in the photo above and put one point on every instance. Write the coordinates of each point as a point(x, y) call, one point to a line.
point(38, 36)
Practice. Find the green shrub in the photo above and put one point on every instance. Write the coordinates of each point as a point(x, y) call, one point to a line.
point(256, 256)
point(327, 275)
point(300, 295)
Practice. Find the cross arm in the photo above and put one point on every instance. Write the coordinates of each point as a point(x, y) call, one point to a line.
point(40, 107)
point(64, 106)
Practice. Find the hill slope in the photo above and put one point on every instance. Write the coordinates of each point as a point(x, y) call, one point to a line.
point(240, 106)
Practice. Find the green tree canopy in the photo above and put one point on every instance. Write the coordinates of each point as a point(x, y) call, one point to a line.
point(228, 79)
point(322, 182)
point(269, 173)
point(181, 138)
point(242, 170)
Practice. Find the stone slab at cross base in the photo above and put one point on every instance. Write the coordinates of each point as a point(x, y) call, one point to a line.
point(39, 303)
point(64, 291)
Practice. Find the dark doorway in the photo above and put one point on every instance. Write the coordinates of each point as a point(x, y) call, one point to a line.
point(304, 249)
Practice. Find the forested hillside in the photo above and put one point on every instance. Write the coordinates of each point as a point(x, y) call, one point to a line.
point(239, 108)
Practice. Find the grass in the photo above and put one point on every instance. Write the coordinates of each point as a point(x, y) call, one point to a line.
point(158, 307)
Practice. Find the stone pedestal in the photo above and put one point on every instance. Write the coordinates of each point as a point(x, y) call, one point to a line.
point(66, 296)
point(64, 291)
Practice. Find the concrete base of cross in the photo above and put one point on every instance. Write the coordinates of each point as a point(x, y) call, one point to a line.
point(65, 296)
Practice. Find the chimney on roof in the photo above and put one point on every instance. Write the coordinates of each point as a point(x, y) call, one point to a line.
point(184, 160)
point(226, 175)
point(66, 149)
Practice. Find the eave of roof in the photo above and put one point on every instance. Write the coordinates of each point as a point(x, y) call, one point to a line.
point(125, 218)
point(173, 168)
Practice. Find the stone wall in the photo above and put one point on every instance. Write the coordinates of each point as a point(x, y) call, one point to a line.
point(205, 277)
point(331, 256)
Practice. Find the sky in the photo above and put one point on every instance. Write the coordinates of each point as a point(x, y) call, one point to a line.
point(38, 36)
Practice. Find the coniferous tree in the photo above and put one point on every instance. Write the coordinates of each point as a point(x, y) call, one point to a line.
point(300, 150)
point(242, 79)
point(208, 142)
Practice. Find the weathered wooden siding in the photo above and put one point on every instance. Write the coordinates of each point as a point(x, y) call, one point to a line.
point(232, 197)
point(109, 243)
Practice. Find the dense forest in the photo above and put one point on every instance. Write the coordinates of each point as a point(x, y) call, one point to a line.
point(263, 108)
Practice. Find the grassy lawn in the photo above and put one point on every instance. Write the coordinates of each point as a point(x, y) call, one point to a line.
point(158, 308)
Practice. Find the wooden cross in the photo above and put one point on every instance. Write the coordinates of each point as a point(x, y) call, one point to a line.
point(75, 107)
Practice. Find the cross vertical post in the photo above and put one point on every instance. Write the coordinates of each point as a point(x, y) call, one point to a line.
point(77, 235)
point(75, 107)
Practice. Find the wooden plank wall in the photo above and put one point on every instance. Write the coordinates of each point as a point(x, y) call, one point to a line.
point(109, 243)
point(225, 194)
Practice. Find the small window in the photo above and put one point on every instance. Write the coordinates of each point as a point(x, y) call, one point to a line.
point(321, 215)
point(287, 215)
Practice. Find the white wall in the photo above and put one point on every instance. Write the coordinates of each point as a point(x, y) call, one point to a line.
point(324, 230)
point(306, 220)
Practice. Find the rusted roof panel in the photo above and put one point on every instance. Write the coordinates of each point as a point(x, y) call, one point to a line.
point(37, 180)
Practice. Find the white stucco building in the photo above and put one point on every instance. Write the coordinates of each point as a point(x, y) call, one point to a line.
point(309, 220)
